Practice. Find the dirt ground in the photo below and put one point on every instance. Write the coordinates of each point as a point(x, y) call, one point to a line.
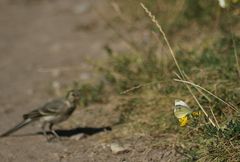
point(43, 46)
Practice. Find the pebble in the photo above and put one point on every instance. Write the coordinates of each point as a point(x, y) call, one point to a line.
point(118, 149)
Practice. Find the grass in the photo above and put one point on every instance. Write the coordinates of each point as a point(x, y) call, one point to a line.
point(207, 79)
point(148, 89)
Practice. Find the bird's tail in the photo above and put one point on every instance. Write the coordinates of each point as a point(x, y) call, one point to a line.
point(17, 127)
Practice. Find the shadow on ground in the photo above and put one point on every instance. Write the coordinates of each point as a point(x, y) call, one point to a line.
point(86, 131)
point(72, 132)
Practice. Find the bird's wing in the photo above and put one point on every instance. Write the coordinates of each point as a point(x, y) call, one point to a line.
point(54, 107)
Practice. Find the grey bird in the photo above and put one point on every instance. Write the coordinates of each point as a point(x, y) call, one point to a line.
point(51, 113)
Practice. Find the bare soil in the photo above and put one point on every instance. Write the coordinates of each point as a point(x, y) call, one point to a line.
point(44, 45)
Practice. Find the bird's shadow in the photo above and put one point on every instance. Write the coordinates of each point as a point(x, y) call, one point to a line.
point(86, 131)
point(72, 132)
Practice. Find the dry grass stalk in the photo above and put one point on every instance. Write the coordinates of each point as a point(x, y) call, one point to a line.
point(236, 56)
point(153, 18)
point(197, 86)
point(214, 117)
point(136, 87)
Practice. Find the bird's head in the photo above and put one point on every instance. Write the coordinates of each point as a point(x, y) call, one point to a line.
point(73, 95)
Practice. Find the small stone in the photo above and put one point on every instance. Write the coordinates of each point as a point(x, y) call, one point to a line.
point(118, 149)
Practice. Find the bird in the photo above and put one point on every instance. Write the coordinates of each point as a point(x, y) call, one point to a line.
point(50, 113)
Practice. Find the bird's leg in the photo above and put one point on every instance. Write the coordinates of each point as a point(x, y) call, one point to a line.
point(44, 131)
point(53, 131)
